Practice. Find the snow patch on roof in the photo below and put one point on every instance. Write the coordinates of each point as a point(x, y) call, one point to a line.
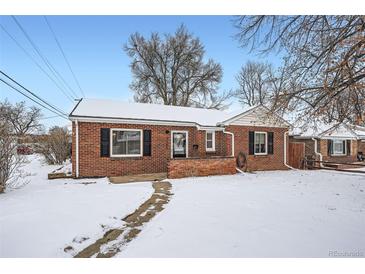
point(359, 131)
point(101, 108)
point(331, 130)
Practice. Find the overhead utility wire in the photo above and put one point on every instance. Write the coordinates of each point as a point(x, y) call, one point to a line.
point(62, 116)
point(37, 64)
point(33, 94)
point(64, 56)
point(45, 60)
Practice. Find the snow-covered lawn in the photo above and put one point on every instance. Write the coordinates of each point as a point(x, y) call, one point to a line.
point(45, 216)
point(268, 214)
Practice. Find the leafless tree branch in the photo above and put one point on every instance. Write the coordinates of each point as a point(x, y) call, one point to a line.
point(171, 71)
point(323, 58)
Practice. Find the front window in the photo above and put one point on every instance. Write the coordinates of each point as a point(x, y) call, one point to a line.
point(339, 147)
point(126, 142)
point(210, 141)
point(260, 143)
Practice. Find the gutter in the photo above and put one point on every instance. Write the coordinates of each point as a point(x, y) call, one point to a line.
point(72, 111)
point(208, 128)
point(77, 148)
point(316, 151)
point(286, 133)
point(232, 135)
point(141, 122)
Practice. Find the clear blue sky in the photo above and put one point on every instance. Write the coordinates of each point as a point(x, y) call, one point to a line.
point(93, 45)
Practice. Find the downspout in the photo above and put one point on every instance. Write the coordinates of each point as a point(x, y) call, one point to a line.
point(232, 135)
point(225, 132)
point(285, 151)
point(77, 148)
point(316, 151)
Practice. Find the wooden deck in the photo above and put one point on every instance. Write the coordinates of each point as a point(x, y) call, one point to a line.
point(150, 177)
point(356, 167)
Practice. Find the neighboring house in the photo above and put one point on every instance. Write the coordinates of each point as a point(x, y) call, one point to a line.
point(336, 143)
point(112, 138)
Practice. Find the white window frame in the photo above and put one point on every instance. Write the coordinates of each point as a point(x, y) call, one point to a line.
point(125, 155)
point(212, 149)
point(344, 142)
point(254, 143)
point(172, 142)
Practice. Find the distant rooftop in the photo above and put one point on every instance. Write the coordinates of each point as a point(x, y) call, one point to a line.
point(323, 130)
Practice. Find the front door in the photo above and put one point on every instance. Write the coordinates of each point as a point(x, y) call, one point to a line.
point(179, 144)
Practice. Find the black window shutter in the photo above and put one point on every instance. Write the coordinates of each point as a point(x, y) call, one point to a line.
point(251, 142)
point(270, 142)
point(147, 139)
point(348, 144)
point(105, 142)
point(329, 147)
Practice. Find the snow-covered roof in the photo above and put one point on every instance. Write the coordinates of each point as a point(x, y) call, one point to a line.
point(100, 108)
point(310, 131)
point(332, 130)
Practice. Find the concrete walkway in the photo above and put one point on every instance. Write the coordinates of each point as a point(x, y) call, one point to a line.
point(113, 240)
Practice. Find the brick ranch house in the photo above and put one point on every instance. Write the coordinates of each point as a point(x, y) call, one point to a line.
point(339, 143)
point(111, 138)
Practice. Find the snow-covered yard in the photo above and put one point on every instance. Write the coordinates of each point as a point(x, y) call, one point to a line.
point(268, 214)
point(45, 216)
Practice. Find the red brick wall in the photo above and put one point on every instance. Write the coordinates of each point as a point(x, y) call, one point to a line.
point(361, 146)
point(73, 149)
point(339, 159)
point(180, 168)
point(91, 164)
point(274, 161)
point(323, 149)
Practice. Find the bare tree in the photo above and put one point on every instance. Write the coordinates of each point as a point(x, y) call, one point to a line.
point(255, 82)
point(55, 146)
point(23, 120)
point(170, 70)
point(323, 57)
point(10, 161)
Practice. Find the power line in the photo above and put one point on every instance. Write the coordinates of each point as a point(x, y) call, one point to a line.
point(33, 94)
point(37, 64)
point(62, 116)
point(49, 117)
point(45, 60)
point(64, 55)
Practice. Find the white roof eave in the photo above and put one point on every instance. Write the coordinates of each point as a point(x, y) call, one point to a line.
point(142, 122)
